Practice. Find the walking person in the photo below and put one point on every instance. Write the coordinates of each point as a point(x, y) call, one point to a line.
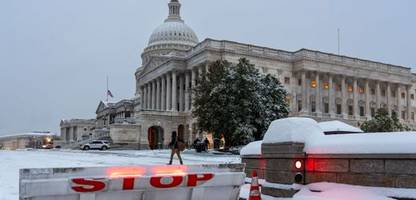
point(206, 144)
point(176, 145)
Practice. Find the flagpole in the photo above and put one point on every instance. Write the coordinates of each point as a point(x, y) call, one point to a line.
point(106, 92)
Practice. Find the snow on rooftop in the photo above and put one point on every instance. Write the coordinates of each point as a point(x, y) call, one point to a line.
point(292, 130)
point(337, 126)
point(253, 148)
point(36, 134)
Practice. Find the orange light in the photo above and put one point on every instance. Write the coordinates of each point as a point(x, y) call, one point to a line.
point(298, 164)
point(326, 86)
point(170, 170)
point(313, 84)
point(120, 172)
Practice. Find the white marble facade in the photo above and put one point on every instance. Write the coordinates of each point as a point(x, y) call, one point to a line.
point(321, 85)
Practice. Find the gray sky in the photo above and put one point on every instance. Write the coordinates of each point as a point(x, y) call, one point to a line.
point(55, 54)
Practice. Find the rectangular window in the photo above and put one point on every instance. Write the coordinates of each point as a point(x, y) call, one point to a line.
point(326, 108)
point(373, 91)
point(383, 92)
point(393, 93)
point(373, 112)
point(339, 109)
point(413, 116)
point(338, 87)
point(127, 115)
point(403, 114)
point(313, 107)
point(362, 113)
point(350, 110)
point(288, 99)
point(361, 90)
point(412, 96)
point(403, 95)
point(299, 105)
point(300, 82)
point(287, 80)
point(350, 88)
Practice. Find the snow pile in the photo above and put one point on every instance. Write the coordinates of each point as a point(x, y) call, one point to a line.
point(348, 192)
point(292, 130)
point(335, 191)
point(253, 148)
point(338, 127)
point(367, 143)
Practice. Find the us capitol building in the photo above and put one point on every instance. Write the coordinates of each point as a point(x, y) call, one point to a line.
point(321, 85)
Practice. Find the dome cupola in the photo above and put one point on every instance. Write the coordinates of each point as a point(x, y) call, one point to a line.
point(173, 33)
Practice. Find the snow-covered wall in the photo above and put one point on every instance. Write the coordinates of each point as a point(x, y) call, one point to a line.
point(310, 133)
point(367, 159)
point(365, 143)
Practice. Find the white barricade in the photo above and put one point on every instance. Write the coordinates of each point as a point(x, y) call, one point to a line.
point(175, 182)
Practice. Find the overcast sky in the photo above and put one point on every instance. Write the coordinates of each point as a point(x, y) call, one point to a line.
point(55, 54)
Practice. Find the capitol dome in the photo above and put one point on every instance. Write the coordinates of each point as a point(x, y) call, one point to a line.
point(173, 31)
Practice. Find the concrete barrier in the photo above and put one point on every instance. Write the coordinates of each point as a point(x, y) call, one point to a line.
point(254, 162)
point(296, 151)
point(196, 182)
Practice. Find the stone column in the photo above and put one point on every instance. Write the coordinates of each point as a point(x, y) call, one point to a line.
point(144, 97)
point(355, 98)
point(163, 97)
point(200, 74)
point(378, 95)
point(293, 86)
point(181, 93)
point(193, 87)
point(141, 97)
point(168, 92)
point(344, 96)
point(367, 99)
point(187, 91)
point(154, 95)
point(398, 98)
point(305, 94)
point(149, 96)
point(158, 91)
point(318, 99)
point(331, 99)
point(174, 92)
point(408, 103)
point(388, 95)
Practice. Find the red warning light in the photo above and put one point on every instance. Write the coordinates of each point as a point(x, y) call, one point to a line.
point(298, 164)
point(121, 172)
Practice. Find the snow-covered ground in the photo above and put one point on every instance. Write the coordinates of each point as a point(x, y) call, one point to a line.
point(12, 161)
